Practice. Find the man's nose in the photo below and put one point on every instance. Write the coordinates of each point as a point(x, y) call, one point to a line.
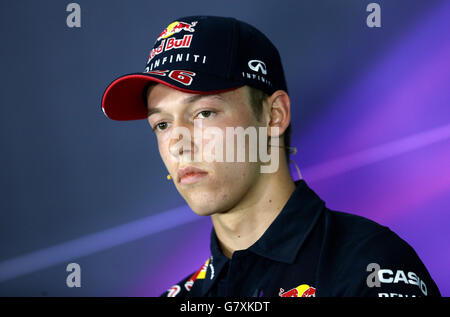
point(181, 142)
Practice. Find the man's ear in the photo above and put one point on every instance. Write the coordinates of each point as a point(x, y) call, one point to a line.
point(279, 105)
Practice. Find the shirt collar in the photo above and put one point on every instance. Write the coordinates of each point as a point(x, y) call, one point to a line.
point(284, 237)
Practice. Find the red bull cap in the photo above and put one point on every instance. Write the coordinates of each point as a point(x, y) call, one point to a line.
point(201, 55)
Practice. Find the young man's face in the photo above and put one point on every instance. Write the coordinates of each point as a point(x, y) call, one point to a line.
point(216, 186)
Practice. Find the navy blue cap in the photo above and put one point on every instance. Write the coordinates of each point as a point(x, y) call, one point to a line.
point(201, 55)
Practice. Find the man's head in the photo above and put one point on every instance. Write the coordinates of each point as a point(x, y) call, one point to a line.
point(205, 61)
point(213, 186)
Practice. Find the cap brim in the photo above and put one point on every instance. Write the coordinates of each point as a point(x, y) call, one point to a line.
point(124, 98)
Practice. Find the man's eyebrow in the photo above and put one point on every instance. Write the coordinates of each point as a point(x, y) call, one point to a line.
point(188, 100)
point(153, 111)
point(195, 98)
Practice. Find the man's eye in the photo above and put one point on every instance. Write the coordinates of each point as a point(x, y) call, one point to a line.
point(161, 126)
point(205, 114)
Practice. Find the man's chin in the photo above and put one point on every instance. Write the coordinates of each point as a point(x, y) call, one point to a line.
point(203, 209)
point(207, 200)
point(203, 213)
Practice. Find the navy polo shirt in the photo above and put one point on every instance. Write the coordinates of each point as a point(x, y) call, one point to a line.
point(310, 250)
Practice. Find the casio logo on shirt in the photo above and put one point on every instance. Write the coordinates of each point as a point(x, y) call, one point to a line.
point(387, 276)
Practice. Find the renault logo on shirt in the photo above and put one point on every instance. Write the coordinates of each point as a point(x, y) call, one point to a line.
point(257, 65)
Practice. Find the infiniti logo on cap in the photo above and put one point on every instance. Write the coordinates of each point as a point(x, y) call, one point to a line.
point(257, 65)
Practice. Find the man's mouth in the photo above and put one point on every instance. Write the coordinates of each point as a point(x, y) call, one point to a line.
point(190, 175)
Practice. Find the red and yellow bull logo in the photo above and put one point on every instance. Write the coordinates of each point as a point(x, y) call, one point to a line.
point(176, 27)
point(303, 290)
point(199, 275)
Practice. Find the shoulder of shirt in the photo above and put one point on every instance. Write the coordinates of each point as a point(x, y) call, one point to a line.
point(366, 236)
point(359, 237)
point(352, 228)
point(361, 242)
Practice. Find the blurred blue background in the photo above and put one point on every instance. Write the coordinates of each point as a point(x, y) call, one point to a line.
point(370, 117)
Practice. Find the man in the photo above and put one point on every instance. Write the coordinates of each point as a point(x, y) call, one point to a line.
point(271, 236)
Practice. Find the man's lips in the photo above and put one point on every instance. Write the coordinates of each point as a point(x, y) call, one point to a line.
point(190, 174)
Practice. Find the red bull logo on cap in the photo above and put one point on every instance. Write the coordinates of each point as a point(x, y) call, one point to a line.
point(303, 290)
point(172, 43)
point(176, 27)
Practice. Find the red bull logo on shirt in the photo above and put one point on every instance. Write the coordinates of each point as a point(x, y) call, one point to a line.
point(199, 275)
point(176, 27)
point(303, 290)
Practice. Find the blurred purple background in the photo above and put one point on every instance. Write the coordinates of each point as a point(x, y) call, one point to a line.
point(370, 117)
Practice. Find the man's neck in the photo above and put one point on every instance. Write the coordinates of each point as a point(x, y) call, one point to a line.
point(244, 224)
